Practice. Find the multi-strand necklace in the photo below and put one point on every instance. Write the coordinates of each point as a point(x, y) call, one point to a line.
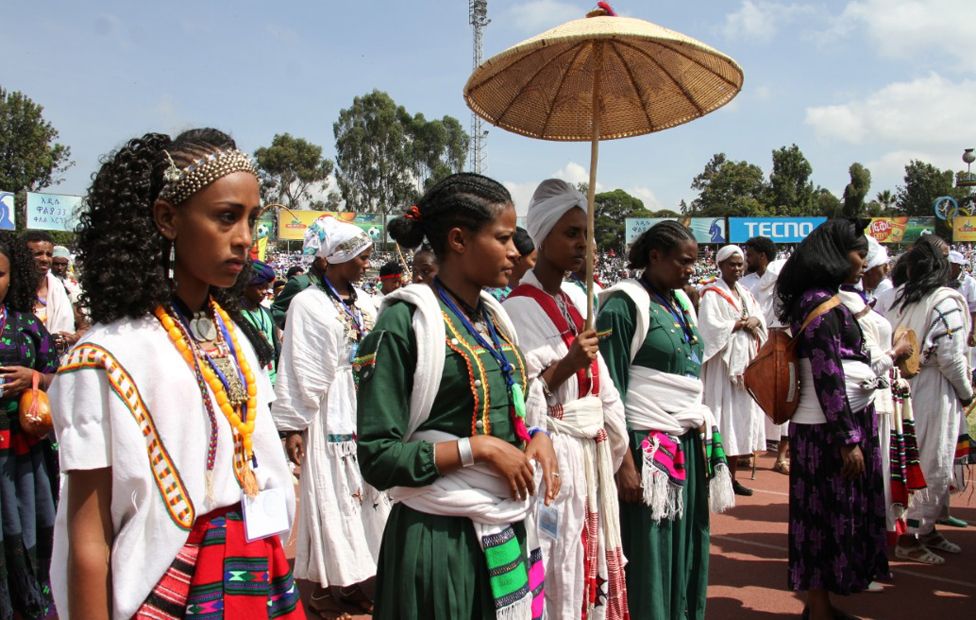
point(233, 387)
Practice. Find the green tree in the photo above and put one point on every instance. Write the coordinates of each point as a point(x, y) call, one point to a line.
point(923, 184)
point(31, 158)
point(886, 198)
point(825, 203)
point(790, 191)
point(856, 190)
point(728, 188)
point(291, 168)
point(612, 208)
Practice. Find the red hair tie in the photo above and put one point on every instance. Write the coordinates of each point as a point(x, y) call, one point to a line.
point(413, 213)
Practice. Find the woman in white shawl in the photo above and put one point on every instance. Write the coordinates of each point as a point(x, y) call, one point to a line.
point(341, 518)
point(581, 540)
point(939, 317)
point(733, 328)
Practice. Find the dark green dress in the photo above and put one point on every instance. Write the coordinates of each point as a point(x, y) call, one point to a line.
point(667, 569)
point(429, 566)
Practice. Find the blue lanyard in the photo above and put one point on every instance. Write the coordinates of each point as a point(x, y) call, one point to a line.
point(680, 319)
point(495, 349)
point(357, 316)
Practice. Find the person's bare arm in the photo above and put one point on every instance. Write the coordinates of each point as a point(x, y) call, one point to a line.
point(90, 544)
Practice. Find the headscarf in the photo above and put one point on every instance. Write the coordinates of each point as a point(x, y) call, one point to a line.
point(551, 200)
point(261, 273)
point(877, 254)
point(337, 242)
point(728, 252)
point(60, 252)
point(956, 258)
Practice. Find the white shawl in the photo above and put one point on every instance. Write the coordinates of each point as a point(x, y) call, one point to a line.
point(60, 312)
point(717, 318)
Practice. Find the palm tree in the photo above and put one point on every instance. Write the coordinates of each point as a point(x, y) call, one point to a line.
point(886, 199)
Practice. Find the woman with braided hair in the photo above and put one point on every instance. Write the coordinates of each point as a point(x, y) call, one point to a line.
point(442, 421)
point(177, 485)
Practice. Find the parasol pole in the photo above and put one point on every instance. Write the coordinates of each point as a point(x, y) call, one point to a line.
point(403, 261)
point(591, 189)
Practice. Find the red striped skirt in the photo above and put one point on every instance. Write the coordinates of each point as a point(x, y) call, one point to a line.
point(218, 574)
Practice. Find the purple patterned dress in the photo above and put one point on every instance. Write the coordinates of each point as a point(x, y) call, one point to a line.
point(837, 526)
point(28, 480)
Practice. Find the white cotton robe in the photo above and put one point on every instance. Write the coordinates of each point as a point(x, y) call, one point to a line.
point(941, 322)
point(542, 346)
point(341, 518)
point(727, 354)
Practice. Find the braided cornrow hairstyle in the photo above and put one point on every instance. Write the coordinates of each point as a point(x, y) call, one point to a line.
point(663, 237)
point(464, 200)
point(125, 256)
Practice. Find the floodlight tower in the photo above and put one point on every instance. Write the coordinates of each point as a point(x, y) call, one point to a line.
point(478, 18)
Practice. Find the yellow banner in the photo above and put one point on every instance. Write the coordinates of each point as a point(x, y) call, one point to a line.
point(964, 228)
point(292, 224)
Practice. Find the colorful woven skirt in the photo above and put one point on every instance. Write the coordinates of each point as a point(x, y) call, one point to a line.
point(218, 574)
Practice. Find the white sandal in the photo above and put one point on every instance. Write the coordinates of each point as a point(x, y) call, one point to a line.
point(938, 542)
point(918, 553)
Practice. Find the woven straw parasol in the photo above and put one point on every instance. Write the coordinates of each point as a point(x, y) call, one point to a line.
point(600, 78)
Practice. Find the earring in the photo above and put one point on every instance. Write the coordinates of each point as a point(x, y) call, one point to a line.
point(172, 260)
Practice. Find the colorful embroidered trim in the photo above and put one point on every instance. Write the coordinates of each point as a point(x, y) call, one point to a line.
point(168, 481)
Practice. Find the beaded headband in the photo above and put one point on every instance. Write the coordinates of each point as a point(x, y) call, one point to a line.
point(181, 183)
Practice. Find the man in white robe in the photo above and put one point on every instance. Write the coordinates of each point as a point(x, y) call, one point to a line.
point(763, 270)
point(732, 328)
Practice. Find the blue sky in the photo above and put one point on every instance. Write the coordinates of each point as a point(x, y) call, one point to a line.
point(874, 81)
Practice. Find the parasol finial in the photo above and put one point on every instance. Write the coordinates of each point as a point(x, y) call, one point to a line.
point(603, 10)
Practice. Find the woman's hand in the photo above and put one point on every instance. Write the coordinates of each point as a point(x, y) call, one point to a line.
point(295, 447)
point(853, 461)
point(507, 460)
point(629, 481)
point(583, 350)
point(903, 348)
point(16, 379)
point(540, 450)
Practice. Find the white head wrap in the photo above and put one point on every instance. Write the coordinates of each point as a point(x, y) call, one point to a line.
point(337, 242)
point(60, 252)
point(727, 252)
point(877, 253)
point(551, 200)
point(956, 258)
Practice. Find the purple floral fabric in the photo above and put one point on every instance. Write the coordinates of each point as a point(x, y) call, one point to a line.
point(837, 526)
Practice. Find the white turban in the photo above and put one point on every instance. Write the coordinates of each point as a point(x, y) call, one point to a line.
point(728, 252)
point(551, 200)
point(337, 242)
point(877, 254)
point(60, 252)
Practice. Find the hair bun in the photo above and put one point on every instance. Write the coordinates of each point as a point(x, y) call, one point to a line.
point(406, 231)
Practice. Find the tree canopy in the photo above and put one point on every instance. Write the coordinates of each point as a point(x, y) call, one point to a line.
point(386, 157)
point(856, 190)
point(923, 184)
point(612, 208)
point(290, 169)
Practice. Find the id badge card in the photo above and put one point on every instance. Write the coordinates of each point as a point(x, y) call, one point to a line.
point(549, 521)
point(265, 515)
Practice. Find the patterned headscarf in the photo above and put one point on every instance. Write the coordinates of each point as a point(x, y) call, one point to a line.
point(337, 242)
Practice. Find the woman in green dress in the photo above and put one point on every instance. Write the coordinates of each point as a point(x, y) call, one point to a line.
point(654, 357)
point(441, 421)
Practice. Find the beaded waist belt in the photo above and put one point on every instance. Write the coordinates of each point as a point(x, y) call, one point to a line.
point(341, 438)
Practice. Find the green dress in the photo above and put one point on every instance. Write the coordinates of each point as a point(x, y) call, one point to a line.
point(430, 566)
point(667, 569)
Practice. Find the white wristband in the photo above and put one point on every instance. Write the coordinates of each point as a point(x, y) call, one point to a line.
point(464, 451)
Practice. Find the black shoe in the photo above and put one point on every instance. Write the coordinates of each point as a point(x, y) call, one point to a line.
point(740, 490)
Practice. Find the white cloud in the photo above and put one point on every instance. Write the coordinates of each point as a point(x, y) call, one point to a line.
point(521, 195)
point(761, 20)
point(928, 112)
point(913, 29)
point(538, 15)
point(647, 196)
point(572, 173)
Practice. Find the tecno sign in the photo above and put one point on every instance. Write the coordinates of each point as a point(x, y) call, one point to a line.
point(779, 229)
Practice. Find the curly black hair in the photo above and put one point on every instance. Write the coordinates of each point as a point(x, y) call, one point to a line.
point(23, 274)
point(125, 256)
point(465, 200)
point(925, 268)
point(763, 245)
point(820, 261)
point(663, 237)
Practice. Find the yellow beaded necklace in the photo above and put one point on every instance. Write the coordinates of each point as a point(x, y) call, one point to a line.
point(243, 427)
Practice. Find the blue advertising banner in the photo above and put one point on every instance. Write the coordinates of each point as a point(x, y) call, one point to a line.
point(705, 229)
point(8, 214)
point(779, 229)
point(52, 211)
